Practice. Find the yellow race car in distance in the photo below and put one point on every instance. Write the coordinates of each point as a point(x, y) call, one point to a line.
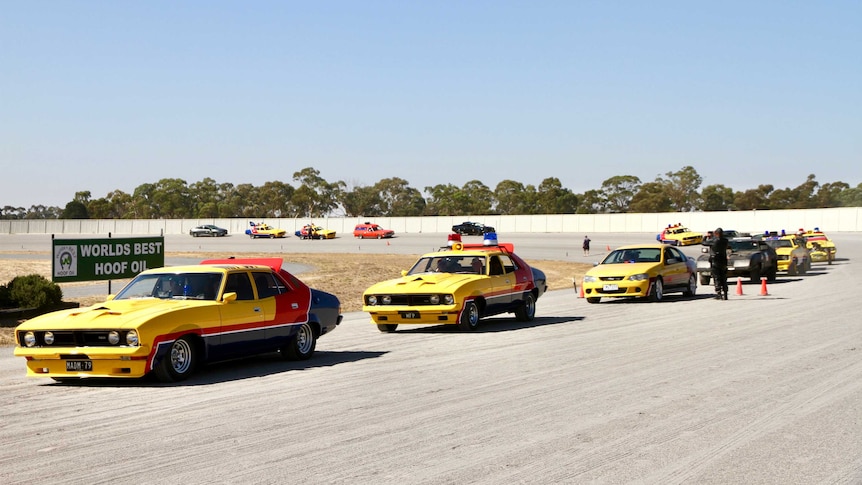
point(457, 285)
point(679, 235)
point(313, 231)
point(264, 230)
point(822, 248)
point(794, 258)
point(641, 271)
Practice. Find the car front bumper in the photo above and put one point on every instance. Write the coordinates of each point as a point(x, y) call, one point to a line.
point(128, 362)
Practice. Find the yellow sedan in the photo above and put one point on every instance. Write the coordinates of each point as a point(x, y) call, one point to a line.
point(641, 271)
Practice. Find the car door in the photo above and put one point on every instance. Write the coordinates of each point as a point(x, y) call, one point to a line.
point(242, 320)
point(675, 268)
point(284, 307)
point(501, 272)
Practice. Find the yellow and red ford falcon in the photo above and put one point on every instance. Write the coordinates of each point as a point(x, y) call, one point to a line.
point(641, 271)
point(264, 230)
point(457, 286)
point(170, 320)
point(679, 235)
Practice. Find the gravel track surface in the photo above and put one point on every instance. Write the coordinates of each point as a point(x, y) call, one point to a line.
point(754, 390)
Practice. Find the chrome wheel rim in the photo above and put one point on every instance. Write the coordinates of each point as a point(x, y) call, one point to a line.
point(181, 356)
point(304, 338)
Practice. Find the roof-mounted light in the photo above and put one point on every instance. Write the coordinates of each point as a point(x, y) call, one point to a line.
point(490, 239)
point(453, 238)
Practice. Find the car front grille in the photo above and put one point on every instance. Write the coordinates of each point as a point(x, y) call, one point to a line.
point(75, 338)
point(406, 300)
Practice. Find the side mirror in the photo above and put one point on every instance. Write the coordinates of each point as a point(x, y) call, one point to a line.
point(403, 272)
point(229, 297)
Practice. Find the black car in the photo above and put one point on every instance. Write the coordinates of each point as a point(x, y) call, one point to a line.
point(749, 257)
point(207, 230)
point(471, 229)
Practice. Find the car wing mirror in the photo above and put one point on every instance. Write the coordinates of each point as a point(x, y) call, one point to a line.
point(229, 297)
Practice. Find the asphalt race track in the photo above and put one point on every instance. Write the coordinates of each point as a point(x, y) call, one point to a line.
point(760, 389)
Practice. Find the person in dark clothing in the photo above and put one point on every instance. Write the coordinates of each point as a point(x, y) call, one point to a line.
point(586, 245)
point(718, 259)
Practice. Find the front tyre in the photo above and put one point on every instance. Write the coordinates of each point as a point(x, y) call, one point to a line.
point(301, 346)
point(692, 286)
point(704, 279)
point(469, 317)
point(657, 291)
point(593, 299)
point(527, 311)
point(387, 327)
point(754, 274)
point(180, 361)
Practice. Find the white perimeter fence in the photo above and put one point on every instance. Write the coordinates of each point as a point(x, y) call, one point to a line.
point(844, 219)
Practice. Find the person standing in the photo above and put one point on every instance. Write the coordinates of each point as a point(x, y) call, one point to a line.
point(718, 259)
point(586, 245)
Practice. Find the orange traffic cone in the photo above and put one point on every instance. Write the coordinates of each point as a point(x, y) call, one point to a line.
point(738, 286)
point(763, 291)
point(581, 293)
point(608, 248)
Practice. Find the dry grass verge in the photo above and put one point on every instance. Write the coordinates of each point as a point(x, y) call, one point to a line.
point(345, 275)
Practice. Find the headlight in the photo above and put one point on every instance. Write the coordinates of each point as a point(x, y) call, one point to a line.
point(113, 337)
point(132, 338)
point(434, 299)
point(48, 338)
point(386, 300)
point(590, 279)
point(639, 277)
point(371, 299)
point(30, 339)
point(448, 299)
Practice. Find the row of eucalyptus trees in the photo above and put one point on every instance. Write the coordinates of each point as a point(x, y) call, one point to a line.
point(313, 196)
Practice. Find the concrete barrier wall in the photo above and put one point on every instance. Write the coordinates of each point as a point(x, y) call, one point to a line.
point(844, 219)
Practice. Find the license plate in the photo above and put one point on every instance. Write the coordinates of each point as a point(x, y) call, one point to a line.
point(610, 288)
point(79, 365)
point(410, 315)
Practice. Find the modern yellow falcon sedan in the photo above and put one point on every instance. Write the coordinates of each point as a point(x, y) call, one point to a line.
point(641, 271)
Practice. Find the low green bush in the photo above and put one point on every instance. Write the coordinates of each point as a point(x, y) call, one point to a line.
point(30, 291)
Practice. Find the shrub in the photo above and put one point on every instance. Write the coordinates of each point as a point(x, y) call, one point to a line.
point(5, 300)
point(34, 291)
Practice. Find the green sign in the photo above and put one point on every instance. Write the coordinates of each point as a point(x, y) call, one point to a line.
point(105, 259)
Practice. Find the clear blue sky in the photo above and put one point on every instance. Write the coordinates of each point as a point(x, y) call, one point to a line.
point(107, 95)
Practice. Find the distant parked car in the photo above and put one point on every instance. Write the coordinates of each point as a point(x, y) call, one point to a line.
point(208, 230)
point(368, 230)
point(472, 229)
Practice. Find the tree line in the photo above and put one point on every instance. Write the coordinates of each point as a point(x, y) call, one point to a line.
point(313, 196)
